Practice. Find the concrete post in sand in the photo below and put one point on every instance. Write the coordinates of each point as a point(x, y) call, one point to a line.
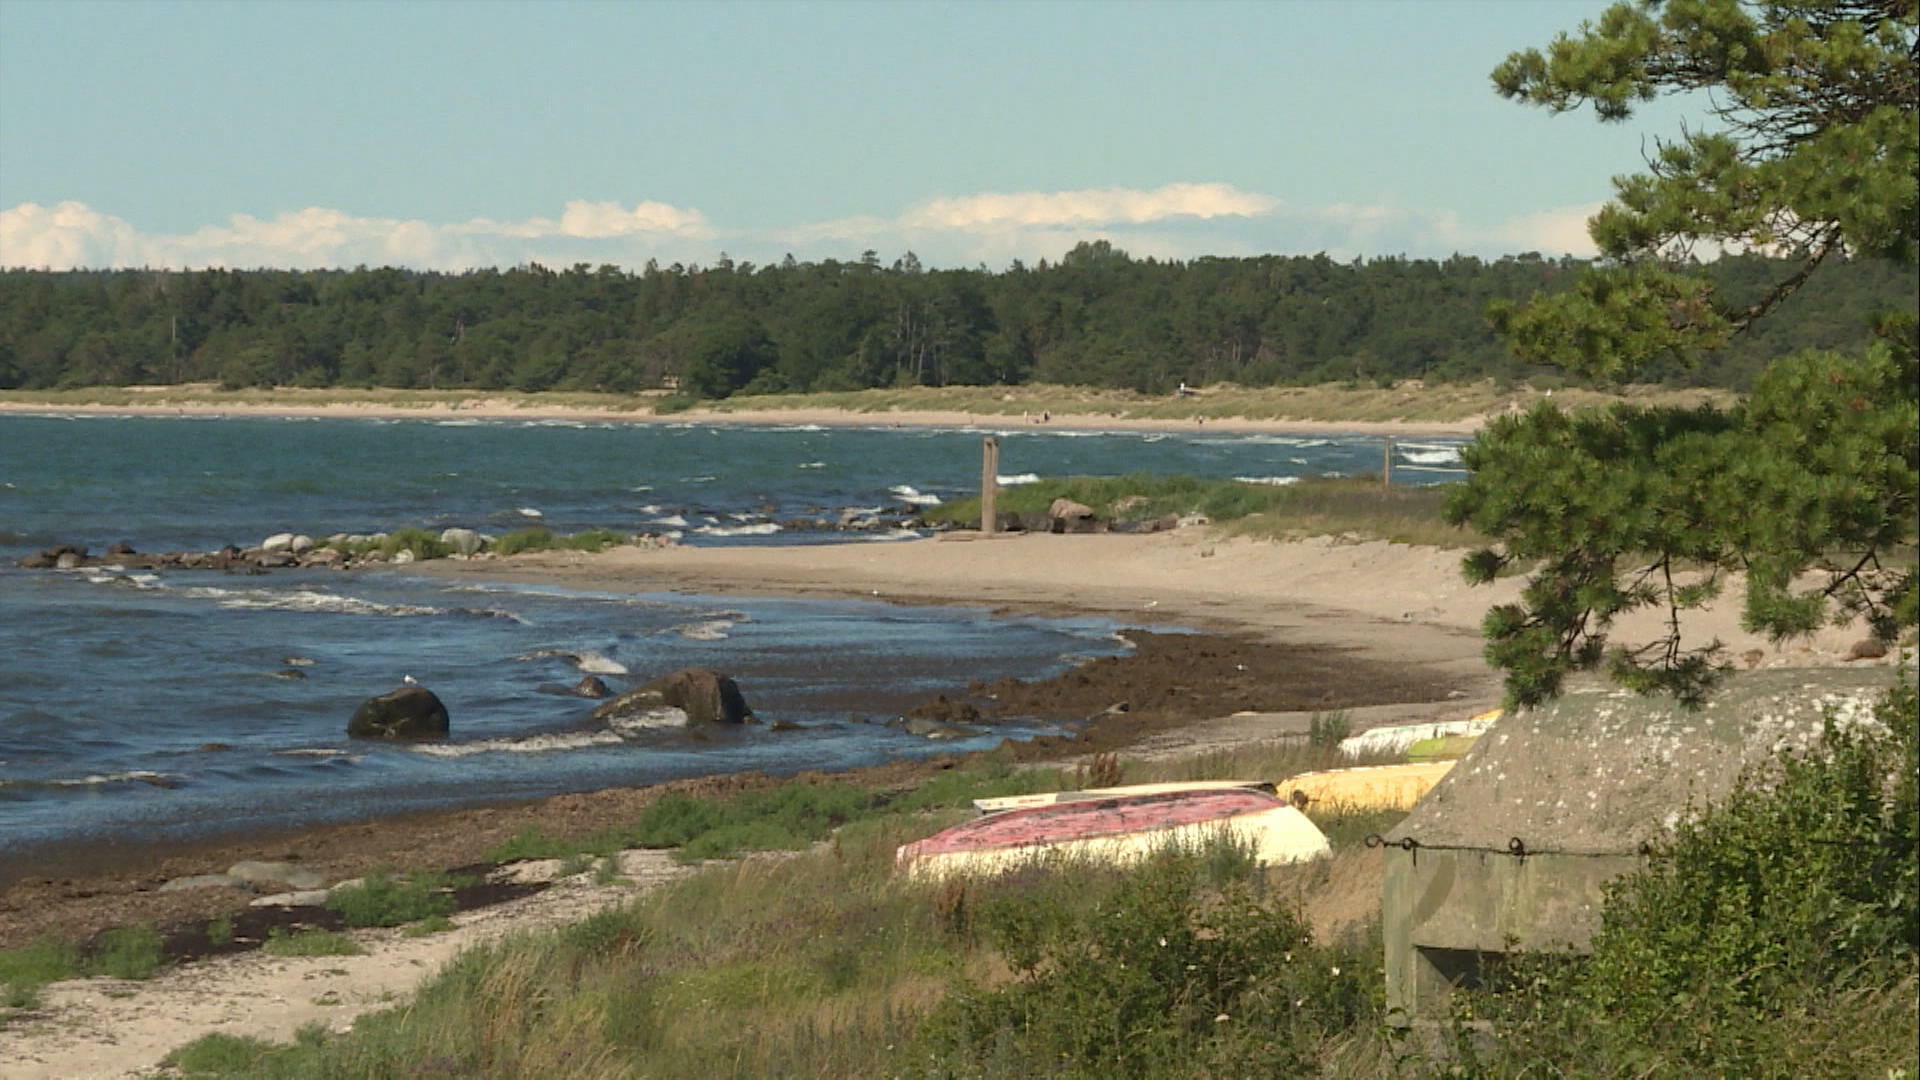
point(1386, 462)
point(989, 486)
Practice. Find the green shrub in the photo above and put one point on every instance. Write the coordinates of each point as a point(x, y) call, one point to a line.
point(786, 817)
point(1179, 967)
point(310, 943)
point(384, 900)
point(1787, 911)
point(1325, 732)
point(130, 952)
point(521, 540)
point(432, 924)
point(42, 962)
point(224, 1055)
point(423, 544)
point(594, 540)
point(220, 930)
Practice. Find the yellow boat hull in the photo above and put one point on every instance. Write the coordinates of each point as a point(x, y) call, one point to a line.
point(1375, 787)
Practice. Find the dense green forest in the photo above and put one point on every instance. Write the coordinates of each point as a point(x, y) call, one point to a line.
point(1098, 317)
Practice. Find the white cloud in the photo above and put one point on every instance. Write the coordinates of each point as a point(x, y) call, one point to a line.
point(1088, 207)
point(67, 235)
point(73, 235)
point(1176, 221)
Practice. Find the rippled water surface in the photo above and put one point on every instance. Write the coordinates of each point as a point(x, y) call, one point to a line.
point(140, 706)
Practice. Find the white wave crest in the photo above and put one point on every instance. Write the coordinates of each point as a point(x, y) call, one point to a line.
point(893, 534)
point(529, 512)
point(1442, 455)
point(530, 744)
point(660, 719)
point(811, 465)
point(142, 775)
point(304, 600)
point(913, 497)
point(671, 521)
point(1017, 479)
point(319, 752)
point(1268, 481)
point(592, 663)
point(764, 528)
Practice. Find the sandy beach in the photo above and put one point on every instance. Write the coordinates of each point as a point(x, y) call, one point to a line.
point(293, 403)
point(1366, 613)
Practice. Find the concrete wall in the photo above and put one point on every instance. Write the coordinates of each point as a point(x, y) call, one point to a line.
point(1443, 911)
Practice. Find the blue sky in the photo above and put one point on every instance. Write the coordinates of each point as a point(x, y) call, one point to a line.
point(449, 135)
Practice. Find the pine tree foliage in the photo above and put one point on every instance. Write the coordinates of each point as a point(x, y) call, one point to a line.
point(1808, 487)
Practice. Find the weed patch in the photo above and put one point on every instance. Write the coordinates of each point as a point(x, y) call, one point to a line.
point(382, 899)
point(310, 943)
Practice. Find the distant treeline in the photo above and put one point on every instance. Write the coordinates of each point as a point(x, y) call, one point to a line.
point(1098, 317)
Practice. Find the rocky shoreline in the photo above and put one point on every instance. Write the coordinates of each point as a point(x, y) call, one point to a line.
point(347, 551)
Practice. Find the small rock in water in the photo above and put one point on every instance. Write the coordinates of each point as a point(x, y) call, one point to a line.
point(411, 712)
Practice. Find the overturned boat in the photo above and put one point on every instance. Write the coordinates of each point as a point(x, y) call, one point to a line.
point(1369, 787)
point(1118, 830)
point(1397, 738)
point(1048, 798)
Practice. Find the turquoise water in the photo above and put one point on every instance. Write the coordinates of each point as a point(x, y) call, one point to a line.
point(137, 708)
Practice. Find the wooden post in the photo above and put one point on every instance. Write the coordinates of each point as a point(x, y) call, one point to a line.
point(989, 486)
point(1386, 462)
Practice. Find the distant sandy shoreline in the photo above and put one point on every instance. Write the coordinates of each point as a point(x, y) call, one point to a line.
point(502, 408)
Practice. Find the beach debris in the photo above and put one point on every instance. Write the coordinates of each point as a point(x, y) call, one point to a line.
point(932, 729)
point(258, 872)
point(298, 898)
point(941, 718)
point(411, 712)
point(705, 695)
point(202, 881)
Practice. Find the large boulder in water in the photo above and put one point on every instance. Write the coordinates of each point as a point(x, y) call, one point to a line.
point(411, 712)
point(706, 696)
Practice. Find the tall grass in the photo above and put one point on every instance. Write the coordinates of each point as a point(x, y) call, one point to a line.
point(1315, 506)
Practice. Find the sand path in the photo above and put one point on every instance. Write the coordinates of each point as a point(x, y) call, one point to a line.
point(96, 1029)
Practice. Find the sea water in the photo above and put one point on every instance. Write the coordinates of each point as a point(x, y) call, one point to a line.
point(140, 707)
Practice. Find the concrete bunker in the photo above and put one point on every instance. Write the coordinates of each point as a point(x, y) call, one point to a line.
point(1511, 850)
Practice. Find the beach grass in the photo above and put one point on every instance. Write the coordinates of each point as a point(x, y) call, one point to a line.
point(785, 817)
point(310, 943)
point(1359, 507)
point(1410, 402)
point(825, 962)
point(384, 898)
